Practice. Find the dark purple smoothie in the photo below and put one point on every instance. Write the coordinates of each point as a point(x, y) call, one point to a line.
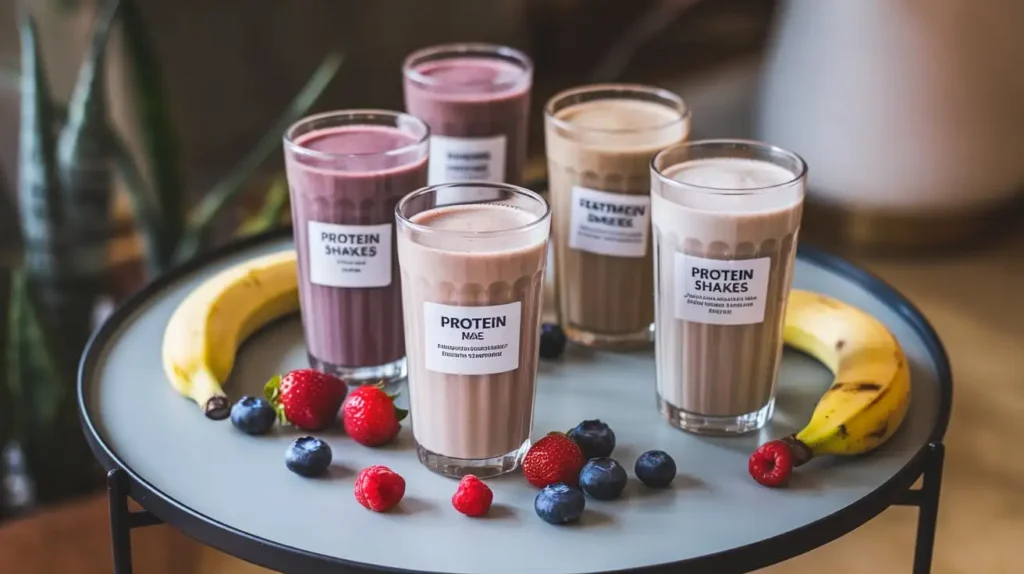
point(476, 100)
point(345, 181)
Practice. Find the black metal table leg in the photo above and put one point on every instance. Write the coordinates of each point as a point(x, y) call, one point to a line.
point(120, 529)
point(123, 520)
point(929, 508)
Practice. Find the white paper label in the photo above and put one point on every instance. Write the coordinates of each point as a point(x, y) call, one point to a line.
point(349, 255)
point(472, 340)
point(719, 291)
point(609, 223)
point(464, 159)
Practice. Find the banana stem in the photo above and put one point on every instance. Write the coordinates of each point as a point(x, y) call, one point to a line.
point(800, 451)
point(207, 392)
point(217, 408)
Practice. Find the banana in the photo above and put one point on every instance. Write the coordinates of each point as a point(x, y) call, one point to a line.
point(869, 397)
point(206, 329)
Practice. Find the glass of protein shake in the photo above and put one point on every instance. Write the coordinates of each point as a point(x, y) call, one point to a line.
point(726, 215)
point(472, 272)
point(476, 100)
point(346, 172)
point(600, 140)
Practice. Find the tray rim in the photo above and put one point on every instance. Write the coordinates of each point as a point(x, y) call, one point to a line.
point(280, 557)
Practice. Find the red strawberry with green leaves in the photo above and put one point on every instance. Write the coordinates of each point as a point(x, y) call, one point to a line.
point(371, 417)
point(553, 459)
point(306, 398)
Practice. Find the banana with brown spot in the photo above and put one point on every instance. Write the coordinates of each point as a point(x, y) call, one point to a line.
point(870, 395)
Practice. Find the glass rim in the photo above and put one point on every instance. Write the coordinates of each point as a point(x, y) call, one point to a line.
point(680, 106)
point(291, 145)
point(407, 222)
point(457, 49)
point(798, 175)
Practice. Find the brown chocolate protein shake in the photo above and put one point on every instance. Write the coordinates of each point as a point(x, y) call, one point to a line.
point(726, 218)
point(600, 140)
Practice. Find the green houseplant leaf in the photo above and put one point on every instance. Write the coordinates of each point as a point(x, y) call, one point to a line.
point(38, 181)
point(36, 374)
point(202, 218)
point(82, 158)
point(70, 293)
point(143, 206)
point(271, 213)
point(159, 138)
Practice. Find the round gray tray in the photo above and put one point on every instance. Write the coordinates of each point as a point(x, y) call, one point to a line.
point(233, 491)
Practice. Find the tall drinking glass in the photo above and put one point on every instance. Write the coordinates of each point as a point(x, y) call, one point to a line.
point(472, 275)
point(600, 140)
point(726, 216)
point(476, 100)
point(346, 172)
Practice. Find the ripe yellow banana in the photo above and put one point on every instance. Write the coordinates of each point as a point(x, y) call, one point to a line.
point(209, 325)
point(871, 392)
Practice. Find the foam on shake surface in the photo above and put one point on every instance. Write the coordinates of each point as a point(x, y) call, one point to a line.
point(618, 115)
point(471, 74)
point(356, 139)
point(474, 218)
point(730, 173)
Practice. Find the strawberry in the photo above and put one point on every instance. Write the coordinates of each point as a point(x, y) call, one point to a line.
point(554, 458)
point(379, 488)
point(370, 416)
point(306, 398)
point(472, 497)
point(771, 464)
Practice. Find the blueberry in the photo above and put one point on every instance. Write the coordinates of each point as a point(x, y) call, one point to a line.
point(552, 341)
point(253, 415)
point(603, 478)
point(308, 456)
point(655, 468)
point(559, 504)
point(594, 438)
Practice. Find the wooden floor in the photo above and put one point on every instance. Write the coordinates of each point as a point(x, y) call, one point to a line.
point(975, 301)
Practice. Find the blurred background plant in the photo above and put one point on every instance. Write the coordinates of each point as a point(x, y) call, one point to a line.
point(69, 159)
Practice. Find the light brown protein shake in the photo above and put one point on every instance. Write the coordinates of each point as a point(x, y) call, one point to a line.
point(600, 141)
point(473, 304)
point(726, 226)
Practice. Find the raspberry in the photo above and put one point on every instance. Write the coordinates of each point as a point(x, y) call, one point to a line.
point(379, 488)
point(472, 497)
point(771, 464)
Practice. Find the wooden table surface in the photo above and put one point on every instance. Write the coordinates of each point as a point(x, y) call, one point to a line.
point(976, 302)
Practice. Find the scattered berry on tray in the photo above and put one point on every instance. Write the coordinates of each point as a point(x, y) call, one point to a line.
point(306, 398)
point(594, 438)
point(552, 341)
point(603, 478)
point(554, 458)
point(371, 417)
point(472, 497)
point(379, 488)
point(308, 456)
point(655, 468)
point(559, 504)
point(253, 415)
point(771, 464)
